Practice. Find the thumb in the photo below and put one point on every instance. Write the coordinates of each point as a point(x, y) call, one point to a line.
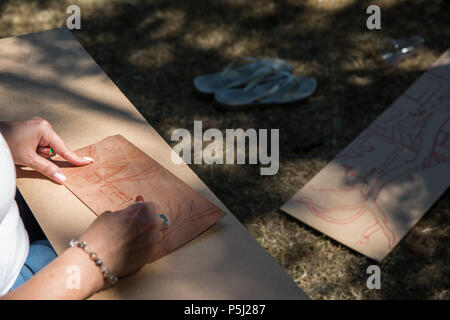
point(47, 168)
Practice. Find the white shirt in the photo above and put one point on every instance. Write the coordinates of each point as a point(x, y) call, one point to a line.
point(14, 243)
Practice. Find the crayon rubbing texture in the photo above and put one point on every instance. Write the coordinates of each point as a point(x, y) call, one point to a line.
point(121, 172)
point(378, 187)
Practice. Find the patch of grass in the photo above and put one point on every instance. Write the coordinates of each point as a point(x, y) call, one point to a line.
point(153, 49)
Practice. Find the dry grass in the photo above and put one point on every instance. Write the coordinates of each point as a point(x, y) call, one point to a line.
point(153, 49)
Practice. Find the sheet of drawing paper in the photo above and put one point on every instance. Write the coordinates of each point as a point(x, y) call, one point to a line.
point(381, 184)
point(49, 74)
point(121, 171)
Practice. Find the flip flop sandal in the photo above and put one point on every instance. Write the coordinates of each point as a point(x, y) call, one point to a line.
point(281, 88)
point(232, 76)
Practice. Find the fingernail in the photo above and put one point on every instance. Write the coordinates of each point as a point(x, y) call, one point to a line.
point(88, 159)
point(139, 198)
point(59, 177)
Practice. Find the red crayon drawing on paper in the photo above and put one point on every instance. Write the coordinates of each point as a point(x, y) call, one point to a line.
point(121, 171)
point(407, 146)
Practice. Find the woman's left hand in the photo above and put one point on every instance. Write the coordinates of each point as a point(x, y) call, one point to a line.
point(24, 138)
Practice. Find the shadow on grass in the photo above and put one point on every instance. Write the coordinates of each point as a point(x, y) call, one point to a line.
point(153, 49)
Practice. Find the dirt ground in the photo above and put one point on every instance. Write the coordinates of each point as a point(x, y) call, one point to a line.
point(152, 50)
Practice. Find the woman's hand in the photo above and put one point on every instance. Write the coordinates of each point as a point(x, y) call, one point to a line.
point(126, 239)
point(24, 138)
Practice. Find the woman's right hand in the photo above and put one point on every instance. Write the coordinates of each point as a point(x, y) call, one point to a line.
point(126, 239)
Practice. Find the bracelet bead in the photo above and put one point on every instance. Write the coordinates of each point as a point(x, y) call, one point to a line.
point(112, 279)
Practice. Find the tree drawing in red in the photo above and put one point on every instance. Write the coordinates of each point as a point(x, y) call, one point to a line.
point(408, 139)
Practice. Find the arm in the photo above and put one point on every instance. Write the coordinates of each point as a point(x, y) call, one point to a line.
point(51, 282)
point(125, 240)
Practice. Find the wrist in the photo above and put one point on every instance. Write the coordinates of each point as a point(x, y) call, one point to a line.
point(107, 275)
point(91, 278)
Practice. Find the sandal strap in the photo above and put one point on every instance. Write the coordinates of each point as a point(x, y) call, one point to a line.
point(259, 76)
point(235, 61)
point(288, 77)
point(255, 78)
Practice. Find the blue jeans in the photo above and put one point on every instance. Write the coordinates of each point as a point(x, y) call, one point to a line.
point(40, 254)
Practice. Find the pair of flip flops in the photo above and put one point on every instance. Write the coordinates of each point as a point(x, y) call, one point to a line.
point(250, 81)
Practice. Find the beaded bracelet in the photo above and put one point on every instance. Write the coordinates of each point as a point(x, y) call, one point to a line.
point(112, 279)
